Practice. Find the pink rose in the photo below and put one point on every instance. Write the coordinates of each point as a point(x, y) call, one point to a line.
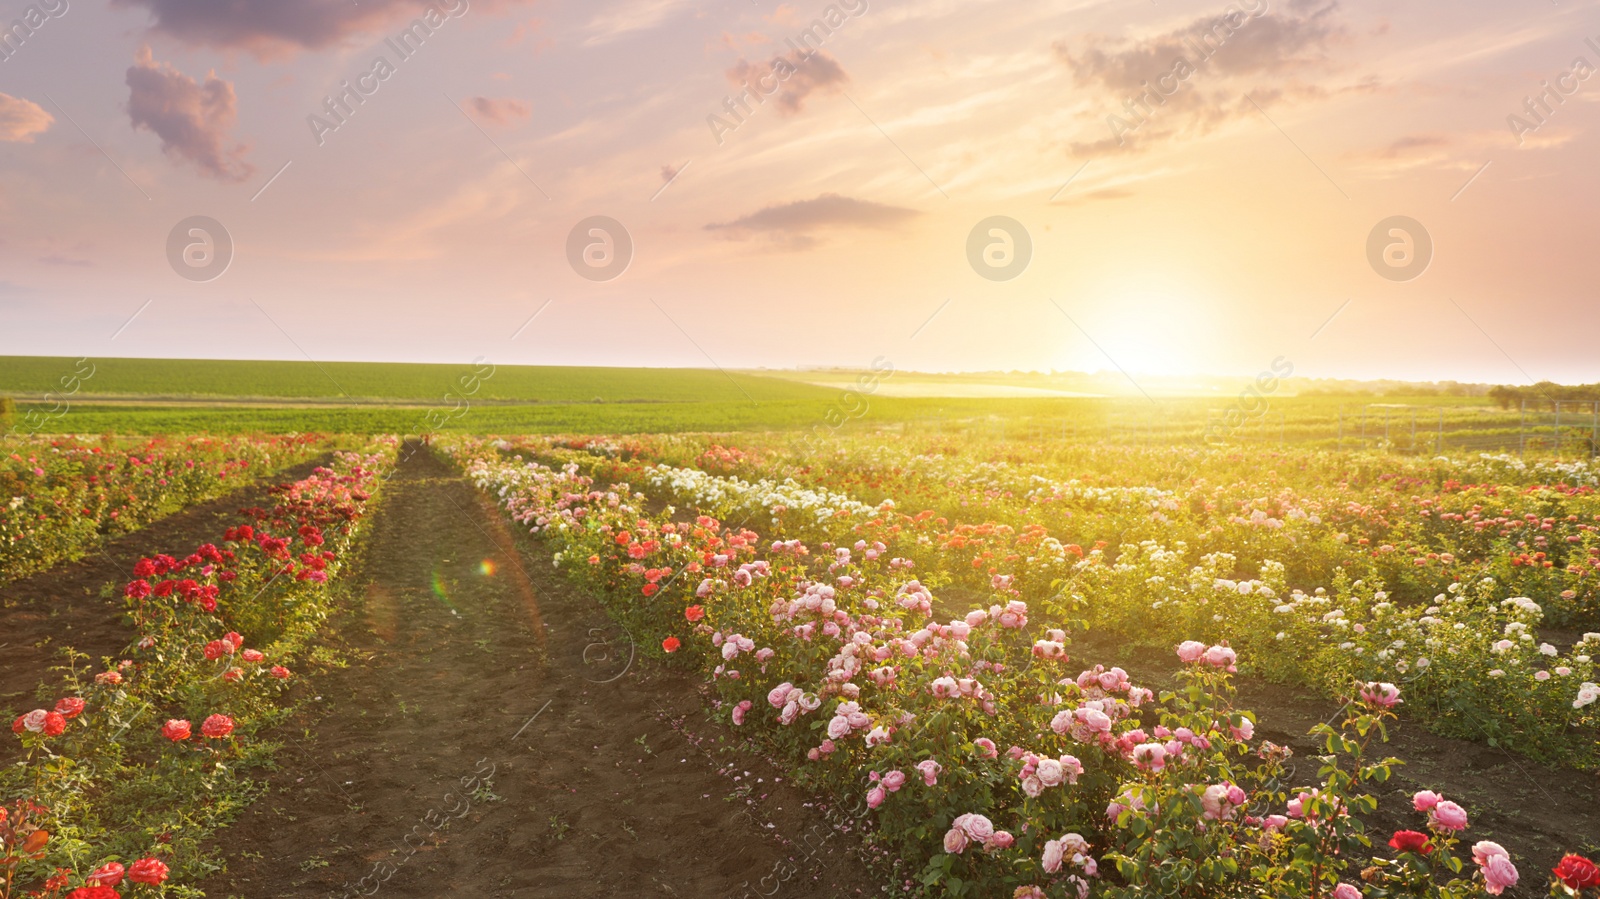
point(1002, 839)
point(1381, 695)
point(1498, 874)
point(1425, 800)
point(894, 780)
point(1483, 850)
point(955, 840)
point(1050, 773)
point(1448, 816)
point(1346, 891)
point(875, 797)
point(977, 827)
point(1052, 856)
point(1190, 651)
point(1221, 657)
point(930, 771)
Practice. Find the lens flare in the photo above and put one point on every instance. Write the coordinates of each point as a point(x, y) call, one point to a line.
point(486, 568)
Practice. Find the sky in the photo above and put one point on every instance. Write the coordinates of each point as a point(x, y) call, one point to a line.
point(1355, 189)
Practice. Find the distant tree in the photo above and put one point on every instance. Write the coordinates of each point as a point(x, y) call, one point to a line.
point(1504, 395)
point(8, 413)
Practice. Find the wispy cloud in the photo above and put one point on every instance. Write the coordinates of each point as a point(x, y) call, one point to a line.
point(797, 225)
point(631, 16)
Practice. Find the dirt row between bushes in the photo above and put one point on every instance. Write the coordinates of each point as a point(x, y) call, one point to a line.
point(494, 735)
point(44, 613)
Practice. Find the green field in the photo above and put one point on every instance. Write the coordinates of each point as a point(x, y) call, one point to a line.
point(155, 396)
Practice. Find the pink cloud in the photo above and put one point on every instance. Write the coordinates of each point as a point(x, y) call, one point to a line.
point(192, 120)
point(21, 119)
point(498, 110)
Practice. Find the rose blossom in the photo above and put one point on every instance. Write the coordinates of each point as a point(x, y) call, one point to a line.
point(175, 729)
point(1498, 873)
point(1448, 816)
point(1052, 856)
point(1409, 841)
point(986, 748)
point(1190, 651)
point(1577, 872)
point(1425, 800)
point(1346, 891)
point(217, 726)
point(33, 722)
point(107, 875)
point(70, 707)
point(147, 870)
point(1381, 695)
point(930, 771)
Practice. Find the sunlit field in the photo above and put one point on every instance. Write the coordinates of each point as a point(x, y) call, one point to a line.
point(925, 449)
point(966, 645)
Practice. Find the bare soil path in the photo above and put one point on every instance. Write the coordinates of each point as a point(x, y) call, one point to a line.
point(494, 736)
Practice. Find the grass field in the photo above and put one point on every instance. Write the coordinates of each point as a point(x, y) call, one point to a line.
point(159, 396)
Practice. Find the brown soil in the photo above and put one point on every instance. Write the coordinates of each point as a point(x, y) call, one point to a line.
point(495, 736)
point(1538, 813)
point(44, 613)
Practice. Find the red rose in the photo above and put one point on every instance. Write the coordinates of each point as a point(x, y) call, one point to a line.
point(233, 639)
point(136, 590)
point(217, 726)
point(111, 678)
point(1410, 841)
point(54, 724)
point(694, 613)
point(233, 674)
point(670, 644)
point(279, 672)
point(253, 655)
point(175, 730)
point(650, 589)
point(1577, 872)
point(107, 875)
point(144, 568)
point(94, 893)
point(70, 707)
point(216, 649)
point(147, 870)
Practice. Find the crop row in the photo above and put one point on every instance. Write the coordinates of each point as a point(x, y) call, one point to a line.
point(1155, 566)
point(991, 766)
point(123, 778)
point(59, 497)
